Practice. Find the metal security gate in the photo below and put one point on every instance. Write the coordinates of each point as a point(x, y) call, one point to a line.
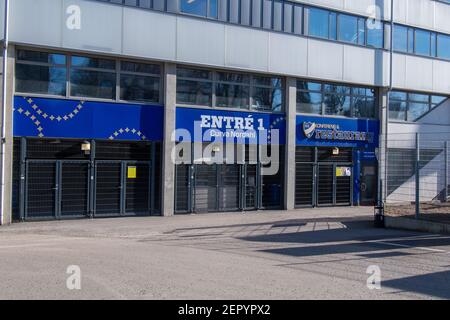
point(323, 179)
point(206, 188)
point(56, 189)
point(122, 188)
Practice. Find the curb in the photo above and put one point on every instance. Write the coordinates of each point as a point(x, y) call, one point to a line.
point(416, 225)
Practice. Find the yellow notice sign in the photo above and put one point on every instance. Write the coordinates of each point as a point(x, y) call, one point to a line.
point(343, 172)
point(132, 173)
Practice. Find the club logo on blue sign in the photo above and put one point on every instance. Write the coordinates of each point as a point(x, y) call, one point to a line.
point(308, 129)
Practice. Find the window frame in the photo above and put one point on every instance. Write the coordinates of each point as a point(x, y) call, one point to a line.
point(117, 71)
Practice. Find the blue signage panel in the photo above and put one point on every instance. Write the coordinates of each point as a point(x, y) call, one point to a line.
point(62, 118)
point(206, 125)
point(337, 132)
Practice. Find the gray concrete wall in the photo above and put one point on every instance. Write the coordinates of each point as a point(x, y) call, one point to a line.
point(6, 214)
point(168, 167)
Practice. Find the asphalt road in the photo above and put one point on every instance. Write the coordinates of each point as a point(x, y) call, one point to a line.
point(306, 254)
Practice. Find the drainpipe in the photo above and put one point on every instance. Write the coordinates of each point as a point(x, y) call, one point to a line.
point(3, 106)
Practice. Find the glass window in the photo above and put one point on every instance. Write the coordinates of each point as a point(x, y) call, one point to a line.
point(375, 35)
point(41, 57)
point(437, 99)
point(267, 94)
point(443, 46)
point(348, 28)
point(40, 72)
point(233, 77)
point(319, 23)
point(196, 7)
point(194, 92)
point(410, 40)
point(41, 79)
point(398, 95)
point(232, 96)
point(213, 9)
point(418, 97)
point(363, 107)
point(422, 42)
point(193, 73)
point(87, 62)
point(128, 66)
point(92, 84)
point(336, 104)
point(309, 102)
point(397, 110)
point(433, 44)
point(416, 110)
point(305, 85)
point(361, 31)
point(139, 88)
point(333, 27)
point(400, 38)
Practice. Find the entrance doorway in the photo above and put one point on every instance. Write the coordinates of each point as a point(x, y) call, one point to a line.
point(323, 178)
point(368, 184)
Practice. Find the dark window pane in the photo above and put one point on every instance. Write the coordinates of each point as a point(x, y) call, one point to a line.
point(193, 73)
point(267, 81)
point(397, 110)
point(333, 26)
point(92, 84)
point(87, 62)
point(40, 79)
point(337, 105)
point(43, 57)
point(398, 95)
point(305, 85)
point(318, 24)
point(423, 42)
point(443, 46)
point(342, 90)
point(197, 7)
point(194, 92)
point(267, 99)
point(139, 88)
point(364, 107)
point(418, 97)
point(140, 67)
point(416, 110)
point(233, 77)
point(309, 102)
point(400, 38)
point(348, 28)
point(232, 96)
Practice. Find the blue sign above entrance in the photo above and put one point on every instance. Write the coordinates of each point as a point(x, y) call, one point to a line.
point(337, 132)
point(62, 118)
point(207, 125)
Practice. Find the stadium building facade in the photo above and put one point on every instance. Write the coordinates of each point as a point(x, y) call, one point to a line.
point(162, 107)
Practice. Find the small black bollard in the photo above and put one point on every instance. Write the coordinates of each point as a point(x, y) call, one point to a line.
point(379, 216)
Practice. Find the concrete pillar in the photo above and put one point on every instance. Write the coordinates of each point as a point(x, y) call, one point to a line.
point(6, 214)
point(383, 101)
point(168, 167)
point(291, 114)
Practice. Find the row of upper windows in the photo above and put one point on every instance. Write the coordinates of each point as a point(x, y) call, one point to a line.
point(411, 106)
point(81, 76)
point(87, 77)
point(293, 18)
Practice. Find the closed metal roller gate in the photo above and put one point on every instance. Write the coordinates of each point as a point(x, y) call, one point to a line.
point(325, 185)
point(205, 199)
point(304, 184)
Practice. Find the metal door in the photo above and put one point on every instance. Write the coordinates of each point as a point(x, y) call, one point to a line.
point(250, 186)
point(343, 185)
point(229, 187)
point(41, 190)
point(74, 189)
point(137, 188)
point(304, 185)
point(368, 185)
point(56, 189)
point(108, 188)
point(325, 185)
point(205, 193)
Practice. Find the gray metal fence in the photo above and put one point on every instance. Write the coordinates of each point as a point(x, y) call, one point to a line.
point(416, 174)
